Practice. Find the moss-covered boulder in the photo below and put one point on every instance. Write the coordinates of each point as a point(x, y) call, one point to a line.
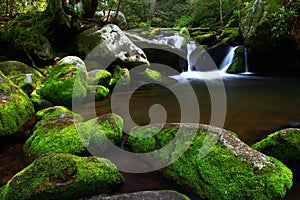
point(54, 135)
point(57, 112)
point(120, 76)
point(229, 170)
point(67, 82)
point(238, 63)
point(62, 135)
point(102, 46)
point(22, 75)
point(145, 195)
point(63, 176)
point(97, 92)
point(99, 77)
point(15, 107)
point(283, 145)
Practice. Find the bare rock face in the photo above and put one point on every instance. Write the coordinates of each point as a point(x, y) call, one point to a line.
point(216, 164)
point(102, 46)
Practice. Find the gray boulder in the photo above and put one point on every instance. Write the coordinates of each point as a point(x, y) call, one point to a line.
point(103, 46)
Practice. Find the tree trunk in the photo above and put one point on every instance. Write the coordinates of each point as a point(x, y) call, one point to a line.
point(55, 12)
point(153, 5)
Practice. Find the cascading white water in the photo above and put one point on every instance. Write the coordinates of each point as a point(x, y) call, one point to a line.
point(246, 60)
point(175, 40)
point(191, 46)
point(227, 61)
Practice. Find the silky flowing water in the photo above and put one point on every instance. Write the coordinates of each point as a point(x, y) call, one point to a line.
point(256, 106)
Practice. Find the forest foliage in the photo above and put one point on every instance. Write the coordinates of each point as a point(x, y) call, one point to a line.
point(171, 13)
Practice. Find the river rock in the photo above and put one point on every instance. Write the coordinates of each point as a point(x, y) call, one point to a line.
point(120, 21)
point(99, 77)
point(57, 112)
point(164, 47)
point(121, 76)
point(97, 93)
point(67, 82)
point(63, 176)
point(145, 195)
point(283, 145)
point(224, 169)
point(102, 46)
point(22, 75)
point(15, 107)
point(62, 135)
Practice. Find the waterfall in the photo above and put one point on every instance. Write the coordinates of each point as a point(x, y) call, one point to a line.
point(246, 60)
point(175, 40)
point(227, 61)
point(191, 46)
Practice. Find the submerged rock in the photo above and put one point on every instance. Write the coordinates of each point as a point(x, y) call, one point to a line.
point(67, 82)
point(145, 195)
point(283, 145)
point(63, 176)
point(62, 135)
point(102, 46)
point(15, 107)
point(230, 170)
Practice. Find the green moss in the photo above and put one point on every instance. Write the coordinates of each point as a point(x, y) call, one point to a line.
point(185, 32)
point(60, 86)
point(204, 38)
point(238, 64)
point(231, 36)
point(63, 176)
point(152, 75)
point(61, 135)
point(15, 107)
point(54, 135)
point(120, 74)
point(100, 78)
point(218, 175)
point(283, 145)
point(56, 111)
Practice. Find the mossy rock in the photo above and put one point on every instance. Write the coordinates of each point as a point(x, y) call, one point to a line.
point(283, 145)
point(207, 38)
point(145, 195)
point(67, 82)
point(99, 77)
point(231, 36)
point(15, 107)
point(63, 176)
point(24, 36)
point(120, 76)
point(103, 131)
point(229, 170)
point(54, 135)
point(57, 112)
point(62, 135)
point(238, 63)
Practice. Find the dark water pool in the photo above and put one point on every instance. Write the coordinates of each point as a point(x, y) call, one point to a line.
point(256, 106)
